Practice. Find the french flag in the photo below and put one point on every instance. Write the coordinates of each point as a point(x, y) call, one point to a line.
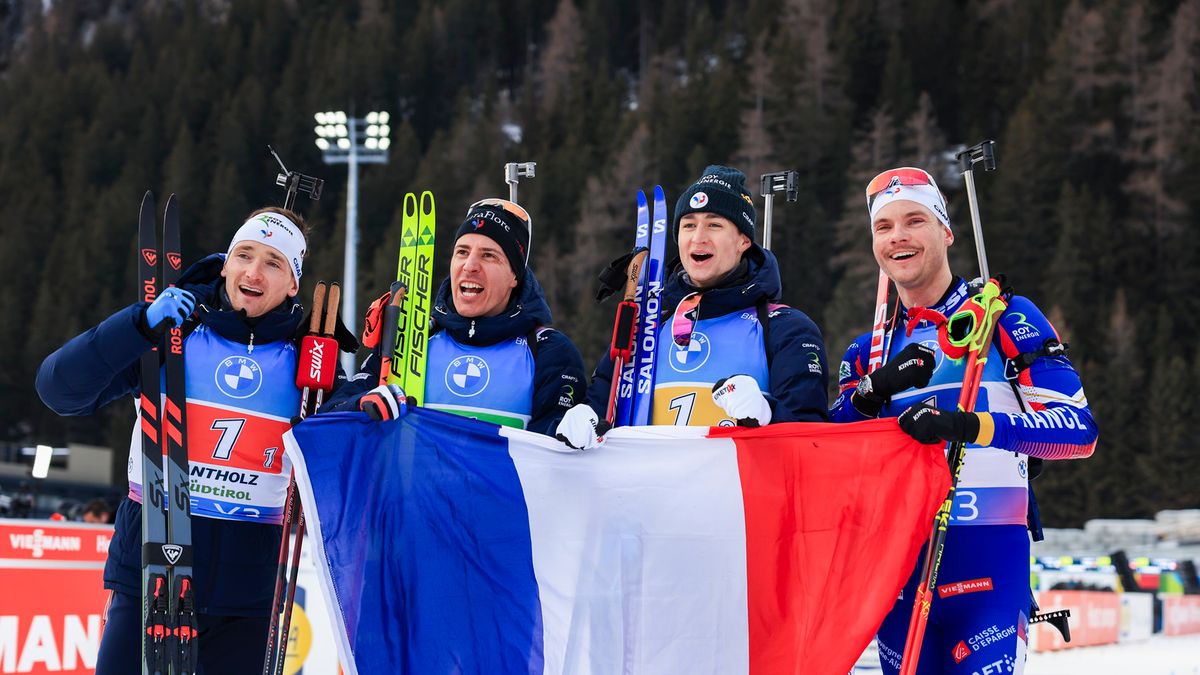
point(448, 545)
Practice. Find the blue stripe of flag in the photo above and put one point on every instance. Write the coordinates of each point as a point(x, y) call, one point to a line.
point(450, 586)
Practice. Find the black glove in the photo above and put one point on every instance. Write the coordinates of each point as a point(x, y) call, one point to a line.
point(930, 425)
point(912, 367)
point(384, 403)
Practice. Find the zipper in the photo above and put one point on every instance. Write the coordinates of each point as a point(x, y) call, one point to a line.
point(250, 347)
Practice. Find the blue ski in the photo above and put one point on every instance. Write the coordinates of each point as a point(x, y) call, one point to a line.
point(647, 335)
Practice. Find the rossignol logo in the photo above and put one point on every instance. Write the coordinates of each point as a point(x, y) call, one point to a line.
point(174, 260)
point(316, 359)
point(38, 542)
point(172, 552)
point(150, 256)
point(964, 587)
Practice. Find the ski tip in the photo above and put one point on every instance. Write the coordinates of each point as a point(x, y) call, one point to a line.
point(659, 195)
point(148, 198)
point(641, 199)
point(426, 203)
point(410, 204)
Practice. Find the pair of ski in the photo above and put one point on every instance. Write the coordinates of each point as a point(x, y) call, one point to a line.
point(168, 608)
point(635, 332)
point(406, 318)
point(315, 374)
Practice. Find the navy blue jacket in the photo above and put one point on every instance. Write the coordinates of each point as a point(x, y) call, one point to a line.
point(558, 375)
point(235, 562)
point(796, 393)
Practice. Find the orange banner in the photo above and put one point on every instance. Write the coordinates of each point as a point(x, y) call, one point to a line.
point(50, 608)
point(1095, 619)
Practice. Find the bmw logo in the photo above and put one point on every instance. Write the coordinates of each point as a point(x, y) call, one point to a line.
point(467, 375)
point(690, 358)
point(239, 377)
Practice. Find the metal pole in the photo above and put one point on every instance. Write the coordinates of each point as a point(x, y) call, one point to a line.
point(350, 272)
point(967, 159)
point(976, 226)
point(768, 210)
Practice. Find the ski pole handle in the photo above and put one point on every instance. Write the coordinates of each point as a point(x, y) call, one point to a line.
point(387, 335)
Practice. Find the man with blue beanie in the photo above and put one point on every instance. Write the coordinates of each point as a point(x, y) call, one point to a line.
point(729, 353)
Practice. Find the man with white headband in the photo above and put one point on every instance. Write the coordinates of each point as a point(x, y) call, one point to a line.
point(239, 315)
point(1031, 408)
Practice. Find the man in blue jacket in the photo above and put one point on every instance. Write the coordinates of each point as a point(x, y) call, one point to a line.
point(492, 354)
point(1031, 407)
point(239, 304)
point(726, 327)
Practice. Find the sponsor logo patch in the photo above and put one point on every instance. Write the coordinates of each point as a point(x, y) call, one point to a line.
point(238, 377)
point(698, 200)
point(960, 652)
point(964, 587)
point(467, 375)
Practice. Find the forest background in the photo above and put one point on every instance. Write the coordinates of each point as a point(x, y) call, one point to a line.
point(1092, 212)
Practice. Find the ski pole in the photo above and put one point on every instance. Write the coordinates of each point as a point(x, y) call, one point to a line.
point(967, 159)
point(391, 319)
point(513, 172)
point(624, 329)
point(770, 183)
point(316, 371)
point(989, 304)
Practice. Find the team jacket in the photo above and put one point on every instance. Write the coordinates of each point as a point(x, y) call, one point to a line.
point(788, 363)
point(1039, 411)
point(486, 368)
point(241, 394)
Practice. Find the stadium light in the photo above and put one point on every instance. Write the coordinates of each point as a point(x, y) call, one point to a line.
point(352, 141)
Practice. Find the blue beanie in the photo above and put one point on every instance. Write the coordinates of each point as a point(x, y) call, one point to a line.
point(720, 190)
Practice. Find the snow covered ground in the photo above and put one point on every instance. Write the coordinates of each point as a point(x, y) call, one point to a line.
point(1159, 655)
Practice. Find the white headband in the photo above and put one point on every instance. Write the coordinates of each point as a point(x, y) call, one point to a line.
point(277, 231)
point(925, 195)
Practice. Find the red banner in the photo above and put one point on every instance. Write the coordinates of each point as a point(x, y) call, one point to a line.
point(1095, 619)
point(53, 597)
point(1181, 614)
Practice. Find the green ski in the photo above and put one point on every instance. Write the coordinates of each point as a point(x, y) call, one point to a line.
point(415, 272)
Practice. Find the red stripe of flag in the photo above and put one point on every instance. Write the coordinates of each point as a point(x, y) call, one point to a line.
point(829, 548)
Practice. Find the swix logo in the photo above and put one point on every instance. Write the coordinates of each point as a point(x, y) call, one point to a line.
point(960, 652)
point(172, 552)
point(38, 542)
point(150, 256)
point(175, 260)
point(316, 354)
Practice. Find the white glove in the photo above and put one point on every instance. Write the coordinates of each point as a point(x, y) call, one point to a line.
point(740, 398)
point(578, 427)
